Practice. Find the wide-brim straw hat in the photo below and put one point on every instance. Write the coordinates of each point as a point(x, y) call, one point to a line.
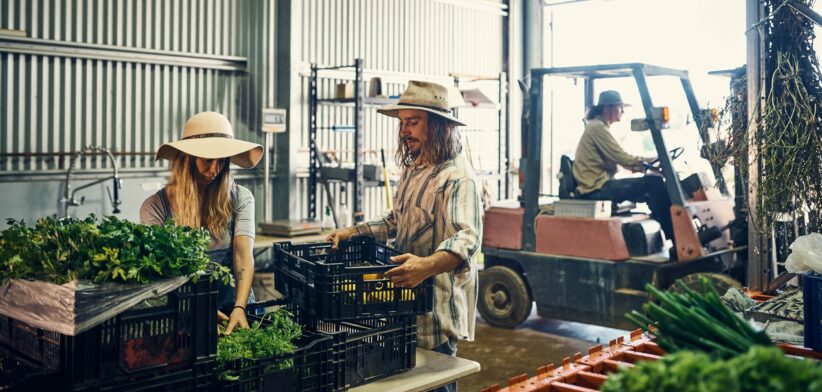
point(209, 135)
point(426, 96)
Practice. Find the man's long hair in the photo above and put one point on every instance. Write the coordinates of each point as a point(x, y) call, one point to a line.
point(210, 209)
point(441, 144)
point(594, 111)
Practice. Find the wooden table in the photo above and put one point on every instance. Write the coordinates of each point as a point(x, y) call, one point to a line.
point(433, 370)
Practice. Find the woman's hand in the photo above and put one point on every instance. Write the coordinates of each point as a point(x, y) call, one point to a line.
point(236, 319)
point(341, 235)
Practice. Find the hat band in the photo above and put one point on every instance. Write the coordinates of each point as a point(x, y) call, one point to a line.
point(215, 134)
point(439, 109)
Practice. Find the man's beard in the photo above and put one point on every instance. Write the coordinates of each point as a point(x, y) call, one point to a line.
point(413, 153)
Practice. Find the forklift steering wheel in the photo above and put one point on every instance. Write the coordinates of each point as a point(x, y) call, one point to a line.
point(675, 153)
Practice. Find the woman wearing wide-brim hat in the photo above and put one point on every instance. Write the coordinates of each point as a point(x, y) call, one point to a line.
point(201, 193)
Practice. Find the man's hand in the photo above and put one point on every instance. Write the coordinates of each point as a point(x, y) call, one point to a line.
point(637, 168)
point(340, 235)
point(236, 319)
point(412, 270)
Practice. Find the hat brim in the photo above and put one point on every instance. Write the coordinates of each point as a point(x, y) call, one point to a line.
point(616, 103)
point(243, 154)
point(393, 111)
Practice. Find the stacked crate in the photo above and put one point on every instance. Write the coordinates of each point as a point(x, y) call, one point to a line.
point(586, 373)
point(169, 346)
point(344, 294)
point(308, 368)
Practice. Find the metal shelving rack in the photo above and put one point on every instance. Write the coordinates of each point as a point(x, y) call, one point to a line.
point(503, 131)
point(358, 102)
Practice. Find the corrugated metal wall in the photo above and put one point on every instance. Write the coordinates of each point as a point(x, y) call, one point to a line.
point(142, 68)
point(399, 41)
point(145, 66)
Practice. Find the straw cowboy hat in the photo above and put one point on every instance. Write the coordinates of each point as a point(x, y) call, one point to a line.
point(209, 135)
point(430, 97)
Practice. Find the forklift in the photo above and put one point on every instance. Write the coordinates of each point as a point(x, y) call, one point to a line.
point(593, 269)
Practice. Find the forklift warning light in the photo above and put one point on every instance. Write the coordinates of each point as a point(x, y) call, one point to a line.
point(662, 119)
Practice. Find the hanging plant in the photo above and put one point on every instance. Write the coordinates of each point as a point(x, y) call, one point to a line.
point(789, 138)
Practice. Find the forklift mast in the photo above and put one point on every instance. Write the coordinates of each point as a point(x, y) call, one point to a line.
point(532, 155)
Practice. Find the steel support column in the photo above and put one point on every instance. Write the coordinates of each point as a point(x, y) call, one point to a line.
point(758, 270)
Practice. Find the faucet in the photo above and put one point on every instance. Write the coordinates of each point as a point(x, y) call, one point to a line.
point(69, 198)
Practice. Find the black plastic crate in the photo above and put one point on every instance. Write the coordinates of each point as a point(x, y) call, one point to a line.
point(367, 350)
point(132, 347)
point(308, 368)
point(362, 350)
point(347, 284)
point(812, 298)
point(198, 378)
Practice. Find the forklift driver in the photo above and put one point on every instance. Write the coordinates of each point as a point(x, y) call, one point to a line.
point(598, 155)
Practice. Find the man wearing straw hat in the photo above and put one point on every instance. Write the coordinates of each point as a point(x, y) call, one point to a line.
point(436, 219)
point(202, 193)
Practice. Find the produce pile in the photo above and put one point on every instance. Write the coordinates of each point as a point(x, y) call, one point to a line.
point(272, 336)
point(764, 369)
point(711, 349)
point(690, 320)
point(63, 250)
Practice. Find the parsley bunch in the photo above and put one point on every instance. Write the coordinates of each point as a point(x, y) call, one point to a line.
point(270, 337)
point(62, 250)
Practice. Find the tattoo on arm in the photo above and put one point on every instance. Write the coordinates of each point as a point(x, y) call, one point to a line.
point(239, 275)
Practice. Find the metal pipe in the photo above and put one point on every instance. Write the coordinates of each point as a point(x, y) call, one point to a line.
point(806, 11)
point(69, 193)
point(35, 46)
point(66, 153)
point(267, 179)
point(125, 173)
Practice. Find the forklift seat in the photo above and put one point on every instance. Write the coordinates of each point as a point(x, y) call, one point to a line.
point(567, 182)
point(568, 187)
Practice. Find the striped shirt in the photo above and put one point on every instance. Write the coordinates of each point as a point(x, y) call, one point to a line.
point(438, 208)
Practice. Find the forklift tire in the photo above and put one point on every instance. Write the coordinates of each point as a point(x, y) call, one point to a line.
point(721, 282)
point(504, 301)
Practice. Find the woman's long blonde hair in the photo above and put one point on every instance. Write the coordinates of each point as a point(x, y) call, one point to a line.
point(212, 209)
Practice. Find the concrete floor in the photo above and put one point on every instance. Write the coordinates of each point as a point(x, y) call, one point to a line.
point(504, 353)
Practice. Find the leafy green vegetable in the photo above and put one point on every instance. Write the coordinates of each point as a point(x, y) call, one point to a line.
point(62, 250)
point(758, 369)
point(271, 337)
point(697, 321)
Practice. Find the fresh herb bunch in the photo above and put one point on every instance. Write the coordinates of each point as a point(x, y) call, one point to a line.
point(272, 336)
point(696, 321)
point(62, 250)
point(758, 369)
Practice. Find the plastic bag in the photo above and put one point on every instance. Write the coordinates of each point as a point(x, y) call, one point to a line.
point(806, 254)
point(77, 306)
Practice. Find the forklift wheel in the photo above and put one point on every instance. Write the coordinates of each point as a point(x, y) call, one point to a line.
point(503, 298)
point(721, 282)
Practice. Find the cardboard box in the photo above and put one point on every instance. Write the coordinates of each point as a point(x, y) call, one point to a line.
point(345, 90)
